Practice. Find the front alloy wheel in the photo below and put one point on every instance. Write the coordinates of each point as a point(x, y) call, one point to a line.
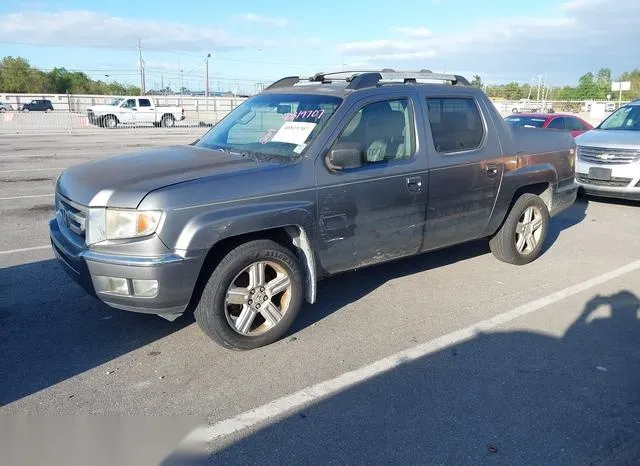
point(258, 298)
point(252, 296)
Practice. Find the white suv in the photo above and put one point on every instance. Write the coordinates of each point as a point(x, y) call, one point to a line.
point(608, 162)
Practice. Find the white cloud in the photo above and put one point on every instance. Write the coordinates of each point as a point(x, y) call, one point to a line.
point(93, 29)
point(414, 31)
point(578, 36)
point(271, 21)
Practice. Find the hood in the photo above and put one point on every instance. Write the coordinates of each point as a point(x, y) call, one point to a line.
point(123, 181)
point(611, 139)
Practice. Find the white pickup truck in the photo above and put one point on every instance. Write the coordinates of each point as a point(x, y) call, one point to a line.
point(134, 111)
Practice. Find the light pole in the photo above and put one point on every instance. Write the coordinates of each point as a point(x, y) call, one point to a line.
point(206, 76)
point(181, 82)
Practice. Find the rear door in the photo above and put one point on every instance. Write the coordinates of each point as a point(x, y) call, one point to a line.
point(376, 212)
point(466, 168)
point(145, 112)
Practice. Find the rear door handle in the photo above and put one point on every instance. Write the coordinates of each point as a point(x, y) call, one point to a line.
point(414, 183)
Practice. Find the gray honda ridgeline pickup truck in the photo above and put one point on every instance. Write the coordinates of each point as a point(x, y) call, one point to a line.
point(310, 178)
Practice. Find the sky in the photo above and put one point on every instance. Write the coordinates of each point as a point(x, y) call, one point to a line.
point(253, 41)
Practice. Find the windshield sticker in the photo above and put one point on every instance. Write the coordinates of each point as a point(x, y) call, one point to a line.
point(315, 114)
point(268, 136)
point(299, 148)
point(294, 133)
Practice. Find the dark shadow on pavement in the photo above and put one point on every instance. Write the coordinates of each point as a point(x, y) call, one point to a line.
point(506, 397)
point(50, 329)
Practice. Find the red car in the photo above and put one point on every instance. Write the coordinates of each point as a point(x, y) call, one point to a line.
point(560, 121)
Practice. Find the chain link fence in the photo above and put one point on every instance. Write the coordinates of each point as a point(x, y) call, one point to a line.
point(70, 112)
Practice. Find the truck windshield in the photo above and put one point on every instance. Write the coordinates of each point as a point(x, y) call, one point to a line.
point(116, 101)
point(625, 118)
point(280, 125)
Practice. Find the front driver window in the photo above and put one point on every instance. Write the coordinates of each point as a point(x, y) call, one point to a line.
point(383, 130)
point(129, 103)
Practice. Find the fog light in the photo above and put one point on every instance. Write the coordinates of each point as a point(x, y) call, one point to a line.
point(111, 285)
point(145, 288)
point(117, 285)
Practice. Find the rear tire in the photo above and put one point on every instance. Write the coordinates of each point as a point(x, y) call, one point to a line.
point(522, 236)
point(229, 310)
point(514, 110)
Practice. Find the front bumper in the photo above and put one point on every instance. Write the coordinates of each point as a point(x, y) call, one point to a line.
point(176, 275)
point(624, 182)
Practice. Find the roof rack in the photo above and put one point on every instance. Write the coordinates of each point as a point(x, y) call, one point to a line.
point(362, 79)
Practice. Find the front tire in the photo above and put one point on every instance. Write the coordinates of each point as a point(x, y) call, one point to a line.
point(521, 238)
point(252, 297)
point(110, 122)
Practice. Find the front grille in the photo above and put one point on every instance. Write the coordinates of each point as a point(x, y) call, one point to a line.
point(613, 182)
point(604, 156)
point(72, 216)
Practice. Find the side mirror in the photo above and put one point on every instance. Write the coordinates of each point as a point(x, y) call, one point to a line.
point(344, 155)
point(283, 109)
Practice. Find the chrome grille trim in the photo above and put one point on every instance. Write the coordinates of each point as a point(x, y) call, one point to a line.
point(71, 215)
point(606, 156)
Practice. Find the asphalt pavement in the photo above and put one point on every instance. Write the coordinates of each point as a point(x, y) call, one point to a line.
point(496, 364)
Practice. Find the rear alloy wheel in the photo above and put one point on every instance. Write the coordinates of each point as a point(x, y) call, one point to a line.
point(252, 297)
point(521, 238)
point(168, 121)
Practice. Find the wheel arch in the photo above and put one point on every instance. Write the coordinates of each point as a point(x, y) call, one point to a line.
point(540, 180)
point(293, 237)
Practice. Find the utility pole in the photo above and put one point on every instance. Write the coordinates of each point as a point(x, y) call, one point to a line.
point(206, 76)
point(162, 82)
point(142, 84)
point(181, 81)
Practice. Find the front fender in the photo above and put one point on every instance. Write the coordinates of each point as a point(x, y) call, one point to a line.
point(206, 229)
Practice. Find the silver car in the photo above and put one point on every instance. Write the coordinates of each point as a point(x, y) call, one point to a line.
point(608, 162)
point(5, 107)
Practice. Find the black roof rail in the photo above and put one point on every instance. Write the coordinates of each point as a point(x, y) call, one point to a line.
point(361, 79)
point(284, 82)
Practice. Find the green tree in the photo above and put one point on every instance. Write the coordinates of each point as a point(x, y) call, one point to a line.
point(477, 81)
point(16, 75)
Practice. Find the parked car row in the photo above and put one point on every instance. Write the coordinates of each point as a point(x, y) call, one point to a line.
point(608, 155)
point(36, 105)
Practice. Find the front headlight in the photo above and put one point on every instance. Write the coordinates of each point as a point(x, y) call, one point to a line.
point(106, 224)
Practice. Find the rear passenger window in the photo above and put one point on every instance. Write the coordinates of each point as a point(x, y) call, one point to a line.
point(573, 124)
point(557, 123)
point(144, 102)
point(456, 124)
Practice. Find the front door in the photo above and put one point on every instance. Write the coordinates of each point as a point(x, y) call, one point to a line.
point(466, 170)
point(375, 212)
point(127, 110)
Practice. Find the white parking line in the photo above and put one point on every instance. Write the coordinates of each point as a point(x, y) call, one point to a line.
point(25, 197)
point(21, 170)
point(319, 391)
point(15, 251)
